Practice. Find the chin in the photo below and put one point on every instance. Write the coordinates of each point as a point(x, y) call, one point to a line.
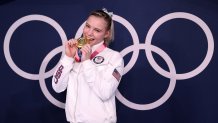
point(92, 43)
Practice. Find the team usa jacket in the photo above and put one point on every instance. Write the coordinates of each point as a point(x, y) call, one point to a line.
point(90, 86)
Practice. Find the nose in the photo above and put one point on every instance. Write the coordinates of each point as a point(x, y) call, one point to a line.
point(90, 32)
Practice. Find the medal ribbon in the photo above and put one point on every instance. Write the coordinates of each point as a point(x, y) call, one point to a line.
point(96, 52)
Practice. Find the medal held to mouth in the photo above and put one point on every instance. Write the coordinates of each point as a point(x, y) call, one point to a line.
point(80, 43)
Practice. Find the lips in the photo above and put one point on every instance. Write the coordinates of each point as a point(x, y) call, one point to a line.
point(90, 39)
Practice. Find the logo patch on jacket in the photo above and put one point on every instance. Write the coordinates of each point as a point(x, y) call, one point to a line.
point(58, 73)
point(98, 59)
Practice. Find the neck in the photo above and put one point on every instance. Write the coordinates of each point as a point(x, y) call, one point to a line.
point(96, 46)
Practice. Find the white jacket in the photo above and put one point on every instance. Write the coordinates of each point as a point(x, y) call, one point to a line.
point(91, 87)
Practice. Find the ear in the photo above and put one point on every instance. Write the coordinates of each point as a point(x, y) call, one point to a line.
point(107, 34)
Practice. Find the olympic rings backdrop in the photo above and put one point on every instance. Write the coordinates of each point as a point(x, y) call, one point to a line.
point(169, 49)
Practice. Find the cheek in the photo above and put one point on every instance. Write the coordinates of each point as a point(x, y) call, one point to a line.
point(84, 30)
point(99, 36)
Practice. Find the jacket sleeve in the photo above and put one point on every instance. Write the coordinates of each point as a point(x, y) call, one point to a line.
point(61, 75)
point(104, 83)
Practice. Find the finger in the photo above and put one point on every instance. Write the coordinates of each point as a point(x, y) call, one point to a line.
point(86, 49)
point(71, 43)
point(67, 44)
point(74, 41)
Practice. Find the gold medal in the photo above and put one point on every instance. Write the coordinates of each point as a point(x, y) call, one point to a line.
point(81, 42)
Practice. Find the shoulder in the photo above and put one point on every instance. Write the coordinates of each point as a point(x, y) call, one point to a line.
point(113, 53)
point(113, 56)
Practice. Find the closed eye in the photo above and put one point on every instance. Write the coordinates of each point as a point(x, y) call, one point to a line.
point(97, 30)
point(87, 25)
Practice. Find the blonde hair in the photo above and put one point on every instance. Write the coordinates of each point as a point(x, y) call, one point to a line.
point(110, 24)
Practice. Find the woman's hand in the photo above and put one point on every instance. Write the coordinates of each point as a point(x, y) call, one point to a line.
point(86, 52)
point(70, 48)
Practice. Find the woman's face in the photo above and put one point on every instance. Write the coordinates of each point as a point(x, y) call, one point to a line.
point(95, 30)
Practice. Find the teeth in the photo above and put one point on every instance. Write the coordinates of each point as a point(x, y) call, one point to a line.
point(89, 38)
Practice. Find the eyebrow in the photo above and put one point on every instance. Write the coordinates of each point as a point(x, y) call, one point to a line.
point(94, 27)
